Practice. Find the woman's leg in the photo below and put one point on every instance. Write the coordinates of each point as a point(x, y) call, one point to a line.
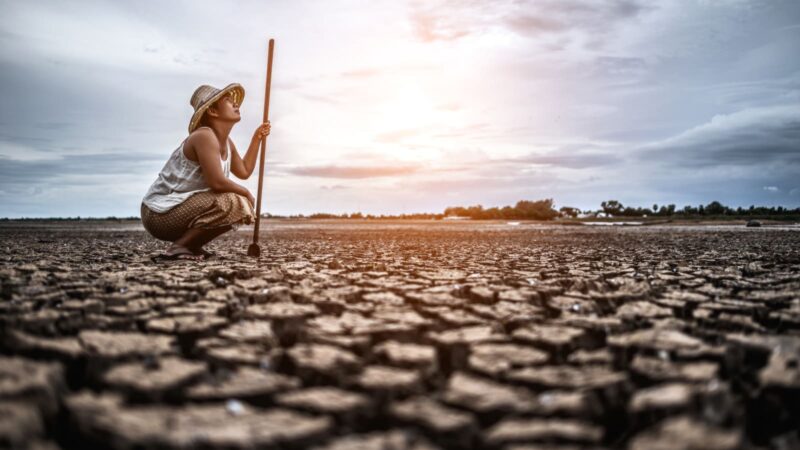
point(198, 220)
point(195, 238)
point(228, 209)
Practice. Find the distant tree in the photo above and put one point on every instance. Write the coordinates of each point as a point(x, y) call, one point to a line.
point(612, 207)
point(715, 208)
point(536, 210)
point(568, 211)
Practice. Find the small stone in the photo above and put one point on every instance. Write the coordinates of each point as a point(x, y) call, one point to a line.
point(234, 407)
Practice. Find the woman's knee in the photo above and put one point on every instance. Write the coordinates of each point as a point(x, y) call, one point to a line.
point(230, 197)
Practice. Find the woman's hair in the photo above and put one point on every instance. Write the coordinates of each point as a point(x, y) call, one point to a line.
point(204, 119)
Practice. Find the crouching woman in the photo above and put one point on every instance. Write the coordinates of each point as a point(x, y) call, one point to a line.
point(193, 199)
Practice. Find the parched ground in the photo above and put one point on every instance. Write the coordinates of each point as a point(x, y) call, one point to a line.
point(392, 336)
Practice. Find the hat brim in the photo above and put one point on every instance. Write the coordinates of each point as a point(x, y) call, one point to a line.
point(234, 89)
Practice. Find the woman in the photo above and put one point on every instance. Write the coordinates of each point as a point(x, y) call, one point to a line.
point(193, 200)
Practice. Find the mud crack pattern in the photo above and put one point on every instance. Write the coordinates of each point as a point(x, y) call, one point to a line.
point(402, 336)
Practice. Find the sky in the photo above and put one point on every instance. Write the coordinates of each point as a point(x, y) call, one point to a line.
point(389, 107)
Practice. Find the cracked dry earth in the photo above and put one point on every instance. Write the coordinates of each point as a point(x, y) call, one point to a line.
point(418, 336)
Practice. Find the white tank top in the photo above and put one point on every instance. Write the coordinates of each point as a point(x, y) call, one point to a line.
point(178, 180)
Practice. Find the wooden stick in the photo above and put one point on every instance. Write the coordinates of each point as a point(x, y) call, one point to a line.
point(254, 249)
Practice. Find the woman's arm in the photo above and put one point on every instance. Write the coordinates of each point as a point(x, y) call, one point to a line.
point(243, 167)
point(206, 148)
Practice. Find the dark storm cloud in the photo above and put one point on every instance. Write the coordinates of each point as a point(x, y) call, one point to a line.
point(353, 172)
point(749, 138)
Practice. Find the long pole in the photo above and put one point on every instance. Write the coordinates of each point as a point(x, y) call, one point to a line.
point(254, 249)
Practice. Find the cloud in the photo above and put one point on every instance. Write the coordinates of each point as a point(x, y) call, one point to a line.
point(353, 172)
point(614, 66)
point(71, 169)
point(529, 24)
point(321, 98)
point(334, 187)
point(361, 73)
point(574, 161)
point(398, 135)
point(771, 188)
point(448, 20)
point(751, 137)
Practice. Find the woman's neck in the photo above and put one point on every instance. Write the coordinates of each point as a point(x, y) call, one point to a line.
point(222, 129)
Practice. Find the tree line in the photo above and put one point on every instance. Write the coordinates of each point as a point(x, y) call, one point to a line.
point(614, 208)
point(541, 210)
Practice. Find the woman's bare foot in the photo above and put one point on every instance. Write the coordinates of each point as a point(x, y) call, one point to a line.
point(202, 252)
point(183, 252)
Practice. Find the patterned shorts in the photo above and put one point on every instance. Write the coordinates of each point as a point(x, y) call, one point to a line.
point(202, 210)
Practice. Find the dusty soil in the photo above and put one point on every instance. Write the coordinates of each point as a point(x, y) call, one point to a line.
point(402, 335)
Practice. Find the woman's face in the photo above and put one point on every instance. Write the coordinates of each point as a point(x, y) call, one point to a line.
point(226, 109)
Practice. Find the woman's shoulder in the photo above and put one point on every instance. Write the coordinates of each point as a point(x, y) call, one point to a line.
point(202, 137)
point(201, 133)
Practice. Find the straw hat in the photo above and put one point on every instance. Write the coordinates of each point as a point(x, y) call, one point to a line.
point(206, 95)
